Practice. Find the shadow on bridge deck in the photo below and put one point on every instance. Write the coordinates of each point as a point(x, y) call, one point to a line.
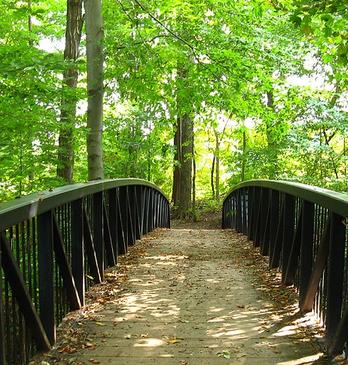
point(187, 297)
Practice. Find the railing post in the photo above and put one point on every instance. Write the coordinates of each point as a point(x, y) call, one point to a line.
point(137, 210)
point(130, 211)
point(275, 258)
point(318, 268)
point(98, 231)
point(239, 211)
point(295, 252)
point(113, 212)
point(151, 209)
point(265, 219)
point(250, 211)
point(244, 211)
point(146, 210)
point(273, 220)
point(259, 219)
point(288, 231)
point(122, 222)
point(335, 274)
point(306, 250)
point(2, 333)
point(78, 249)
point(167, 215)
point(46, 288)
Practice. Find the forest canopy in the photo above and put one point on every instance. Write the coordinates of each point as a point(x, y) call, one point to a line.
point(195, 96)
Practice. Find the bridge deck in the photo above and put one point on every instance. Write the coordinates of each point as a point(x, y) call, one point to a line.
point(186, 297)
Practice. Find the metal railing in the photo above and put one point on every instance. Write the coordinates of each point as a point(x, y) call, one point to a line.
point(55, 244)
point(303, 231)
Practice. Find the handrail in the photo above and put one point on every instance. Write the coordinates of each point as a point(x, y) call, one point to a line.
point(333, 200)
point(302, 229)
point(55, 244)
point(37, 203)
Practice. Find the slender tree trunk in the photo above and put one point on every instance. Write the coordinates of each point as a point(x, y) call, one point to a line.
point(194, 169)
point(344, 156)
point(272, 145)
point(177, 162)
point(74, 21)
point(182, 184)
point(185, 182)
point(94, 35)
point(217, 166)
point(242, 177)
point(212, 172)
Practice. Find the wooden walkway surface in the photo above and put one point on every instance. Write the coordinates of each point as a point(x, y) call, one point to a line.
point(186, 297)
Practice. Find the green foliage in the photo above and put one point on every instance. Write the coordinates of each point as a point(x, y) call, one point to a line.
point(225, 63)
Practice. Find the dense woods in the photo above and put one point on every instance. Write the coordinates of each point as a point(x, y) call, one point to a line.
point(195, 96)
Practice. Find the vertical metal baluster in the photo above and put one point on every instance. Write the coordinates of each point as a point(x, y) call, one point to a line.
point(335, 275)
point(78, 250)
point(46, 290)
point(98, 232)
point(2, 327)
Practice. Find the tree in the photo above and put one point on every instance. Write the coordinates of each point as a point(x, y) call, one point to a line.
point(74, 21)
point(95, 59)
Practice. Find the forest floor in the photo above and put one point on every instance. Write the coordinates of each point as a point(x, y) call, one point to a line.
point(190, 295)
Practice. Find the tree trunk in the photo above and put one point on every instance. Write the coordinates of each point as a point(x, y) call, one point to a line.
point(74, 21)
point(242, 177)
point(94, 37)
point(177, 162)
point(271, 142)
point(217, 166)
point(183, 140)
point(194, 169)
point(185, 182)
point(212, 172)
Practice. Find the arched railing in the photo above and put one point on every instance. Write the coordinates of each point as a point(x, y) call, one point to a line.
point(55, 244)
point(303, 231)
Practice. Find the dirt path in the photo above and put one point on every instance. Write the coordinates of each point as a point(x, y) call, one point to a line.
point(187, 297)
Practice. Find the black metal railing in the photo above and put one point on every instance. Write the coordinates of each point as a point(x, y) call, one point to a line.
point(303, 231)
point(55, 244)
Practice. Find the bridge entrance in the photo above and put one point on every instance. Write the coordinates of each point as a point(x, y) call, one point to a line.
point(188, 296)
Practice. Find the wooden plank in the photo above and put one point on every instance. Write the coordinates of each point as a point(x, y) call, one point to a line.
point(62, 261)
point(90, 251)
point(318, 269)
point(15, 279)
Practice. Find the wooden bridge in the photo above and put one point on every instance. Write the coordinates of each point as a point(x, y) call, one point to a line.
point(180, 295)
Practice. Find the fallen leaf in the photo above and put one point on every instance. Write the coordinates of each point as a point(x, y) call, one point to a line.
point(225, 354)
point(94, 361)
